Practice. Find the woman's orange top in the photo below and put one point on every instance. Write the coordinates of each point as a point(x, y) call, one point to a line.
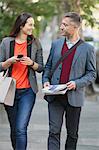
point(20, 71)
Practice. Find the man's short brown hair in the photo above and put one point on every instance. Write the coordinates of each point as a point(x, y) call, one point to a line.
point(75, 17)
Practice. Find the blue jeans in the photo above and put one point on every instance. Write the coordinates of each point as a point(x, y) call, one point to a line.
point(19, 116)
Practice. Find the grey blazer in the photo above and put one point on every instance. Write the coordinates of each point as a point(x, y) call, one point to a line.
point(83, 70)
point(34, 50)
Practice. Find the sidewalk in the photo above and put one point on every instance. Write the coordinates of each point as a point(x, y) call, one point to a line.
point(38, 129)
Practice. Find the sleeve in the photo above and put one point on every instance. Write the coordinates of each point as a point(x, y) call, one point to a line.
point(90, 73)
point(39, 57)
point(2, 54)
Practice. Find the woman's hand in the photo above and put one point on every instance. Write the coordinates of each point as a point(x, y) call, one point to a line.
point(12, 60)
point(26, 61)
point(9, 62)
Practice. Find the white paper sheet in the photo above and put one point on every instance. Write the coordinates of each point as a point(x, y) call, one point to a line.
point(55, 89)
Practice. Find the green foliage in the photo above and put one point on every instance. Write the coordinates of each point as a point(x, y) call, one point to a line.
point(87, 13)
point(84, 7)
point(46, 9)
point(88, 38)
point(9, 10)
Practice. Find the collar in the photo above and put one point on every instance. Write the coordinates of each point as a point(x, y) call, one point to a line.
point(69, 42)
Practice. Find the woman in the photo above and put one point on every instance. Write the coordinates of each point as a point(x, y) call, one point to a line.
point(22, 54)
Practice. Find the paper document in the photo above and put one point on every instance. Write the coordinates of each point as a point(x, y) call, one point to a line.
point(55, 89)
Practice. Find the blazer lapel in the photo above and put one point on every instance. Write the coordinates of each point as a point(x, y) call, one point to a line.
point(11, 54)
point(12, 45)
point(77, 53)
point(60, 45)
point(29, 47)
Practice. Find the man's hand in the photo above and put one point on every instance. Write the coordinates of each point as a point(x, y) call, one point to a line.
point(71, 85)
point(46, 84)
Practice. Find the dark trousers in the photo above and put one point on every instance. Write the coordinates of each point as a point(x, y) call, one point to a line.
point(19, 116)
point(57, 109)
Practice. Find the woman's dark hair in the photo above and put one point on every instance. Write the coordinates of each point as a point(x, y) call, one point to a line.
point(20, 21)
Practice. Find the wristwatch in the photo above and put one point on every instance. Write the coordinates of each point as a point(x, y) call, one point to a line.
point(32, 64)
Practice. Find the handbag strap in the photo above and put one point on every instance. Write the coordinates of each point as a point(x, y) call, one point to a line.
point(5, 73)
point(65, 56)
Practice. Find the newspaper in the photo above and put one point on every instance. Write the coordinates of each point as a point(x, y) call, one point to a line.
point(55, 89)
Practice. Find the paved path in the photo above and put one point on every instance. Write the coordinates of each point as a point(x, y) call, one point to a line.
point(38, 128)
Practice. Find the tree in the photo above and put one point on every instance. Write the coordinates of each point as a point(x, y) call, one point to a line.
point(83, 7)
point(43, 12)
point(10, 9)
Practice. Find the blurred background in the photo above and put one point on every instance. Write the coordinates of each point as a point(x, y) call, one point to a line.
point(47, 15)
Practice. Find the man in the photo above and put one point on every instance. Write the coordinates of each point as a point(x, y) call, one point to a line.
point(78, 70)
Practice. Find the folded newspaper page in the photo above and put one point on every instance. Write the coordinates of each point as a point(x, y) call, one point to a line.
point(55, 89)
